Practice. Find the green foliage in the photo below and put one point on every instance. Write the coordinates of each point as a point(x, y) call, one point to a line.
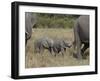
point(55, 20)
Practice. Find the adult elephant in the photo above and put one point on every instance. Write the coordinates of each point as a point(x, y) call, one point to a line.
point(30, 21)
point(81, 36)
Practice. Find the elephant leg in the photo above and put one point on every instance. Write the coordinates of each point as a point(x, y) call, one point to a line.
point(74, 44)
point(50, 50)
point(75, 37)
point(86, 45)
point(77, 44)
point(25, 39)
point(55, 51)
point(55, 54)
point(62, 51)
point(79, 55)
point(25, 42)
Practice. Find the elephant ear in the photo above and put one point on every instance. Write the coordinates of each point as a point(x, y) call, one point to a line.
point(65, 44)
point(45, 44)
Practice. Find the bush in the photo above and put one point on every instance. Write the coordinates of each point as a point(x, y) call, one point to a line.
point(55, 20)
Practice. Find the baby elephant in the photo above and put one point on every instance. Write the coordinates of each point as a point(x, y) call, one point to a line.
point(43, 43)
point(59, 46)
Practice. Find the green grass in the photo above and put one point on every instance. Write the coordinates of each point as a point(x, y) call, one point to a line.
point(55, 20)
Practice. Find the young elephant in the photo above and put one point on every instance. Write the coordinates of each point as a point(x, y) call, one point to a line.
point(43, 43)
point(59, 46)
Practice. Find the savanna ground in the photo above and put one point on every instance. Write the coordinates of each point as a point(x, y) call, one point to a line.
point(33, 60)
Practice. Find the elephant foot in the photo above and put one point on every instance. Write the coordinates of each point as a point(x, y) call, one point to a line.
point(55, 54)
point(63, 54)
point(79, 57)
point(84, 56)
point(74, 55)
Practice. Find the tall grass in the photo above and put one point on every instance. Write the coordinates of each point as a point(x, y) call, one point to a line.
point(33, 60)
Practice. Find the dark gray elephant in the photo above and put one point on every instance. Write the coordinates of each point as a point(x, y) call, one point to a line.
point(43, 43)
point(81, 36)
point(60, 46)
point(30, 21)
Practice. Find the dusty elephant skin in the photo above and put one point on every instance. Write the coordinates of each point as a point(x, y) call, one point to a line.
point(81, 36)
point(43, 43)
point(30, 21)
point(53, 46)
point(36, 60)
point(60, 46)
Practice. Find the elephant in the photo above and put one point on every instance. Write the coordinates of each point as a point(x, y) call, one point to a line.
point(43, 43)
point(60, 46)
point(30, 21)
point(81, 36)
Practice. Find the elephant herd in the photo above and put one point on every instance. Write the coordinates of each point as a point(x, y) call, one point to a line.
point(53, 46)
point(80, 43)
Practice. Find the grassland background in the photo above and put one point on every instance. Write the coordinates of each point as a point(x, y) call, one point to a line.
point(52, 26)
point(33, 60)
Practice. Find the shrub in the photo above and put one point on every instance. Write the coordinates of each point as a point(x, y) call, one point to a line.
point(55, 20)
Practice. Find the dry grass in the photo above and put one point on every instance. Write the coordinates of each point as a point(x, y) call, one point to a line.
point(33, 60)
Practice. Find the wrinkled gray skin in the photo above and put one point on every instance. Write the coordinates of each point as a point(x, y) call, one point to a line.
point(60, 46)
point(30, 21)
point(43, 43)
point(81, 36)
